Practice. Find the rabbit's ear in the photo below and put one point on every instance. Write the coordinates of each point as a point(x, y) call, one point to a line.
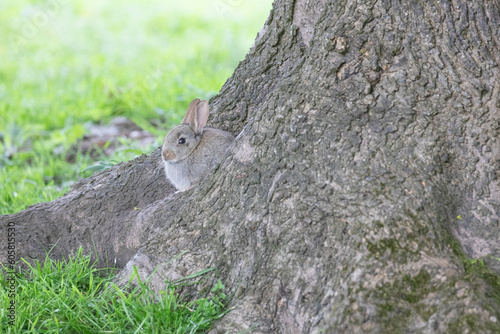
point(201, 116)
point(189, 118)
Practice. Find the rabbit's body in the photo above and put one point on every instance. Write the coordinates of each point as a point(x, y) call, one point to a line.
point(189, 151)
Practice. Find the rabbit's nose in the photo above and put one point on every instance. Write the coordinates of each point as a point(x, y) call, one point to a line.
point(168, 154)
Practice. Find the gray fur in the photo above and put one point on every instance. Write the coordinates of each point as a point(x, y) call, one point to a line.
point(203, 150)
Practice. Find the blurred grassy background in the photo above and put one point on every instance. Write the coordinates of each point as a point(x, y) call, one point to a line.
point(65, 65)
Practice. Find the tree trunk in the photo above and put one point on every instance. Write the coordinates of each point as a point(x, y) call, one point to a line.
point(363, 180)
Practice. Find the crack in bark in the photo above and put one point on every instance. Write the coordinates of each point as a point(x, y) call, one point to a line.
point(334, 208)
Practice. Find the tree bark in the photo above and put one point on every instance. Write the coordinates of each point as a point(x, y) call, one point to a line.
point(363, 180)
point(104, 214)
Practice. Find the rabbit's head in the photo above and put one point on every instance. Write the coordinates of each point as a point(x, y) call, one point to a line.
point(184, 138)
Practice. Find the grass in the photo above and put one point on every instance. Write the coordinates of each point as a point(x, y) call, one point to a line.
point(73, 296)
point(68, 64)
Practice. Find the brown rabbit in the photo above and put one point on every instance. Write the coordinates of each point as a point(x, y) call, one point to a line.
point(190, 151)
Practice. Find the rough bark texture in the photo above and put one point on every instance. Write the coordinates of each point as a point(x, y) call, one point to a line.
point(363, 179)
point(103, 213)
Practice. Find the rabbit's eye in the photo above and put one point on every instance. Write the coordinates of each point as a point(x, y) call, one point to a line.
point(182, 140)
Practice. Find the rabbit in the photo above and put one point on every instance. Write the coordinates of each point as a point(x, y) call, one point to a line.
point(190, 151)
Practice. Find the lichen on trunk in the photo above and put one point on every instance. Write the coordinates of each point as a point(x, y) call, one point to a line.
point(361, 186)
